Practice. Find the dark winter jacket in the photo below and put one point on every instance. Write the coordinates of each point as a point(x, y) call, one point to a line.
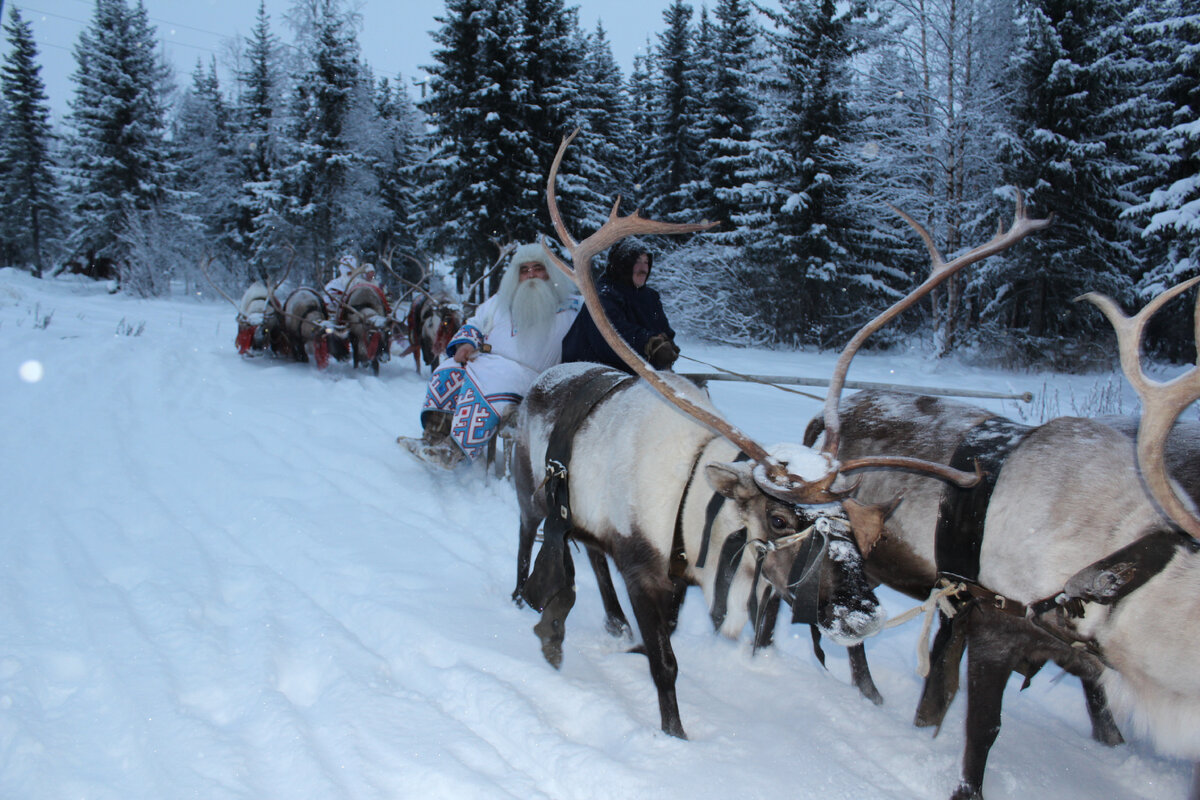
point(636, 314)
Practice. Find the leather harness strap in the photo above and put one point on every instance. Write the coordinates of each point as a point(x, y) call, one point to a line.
point(710, 516)
point(678, 552)
point(551, 571)
point(963, 512)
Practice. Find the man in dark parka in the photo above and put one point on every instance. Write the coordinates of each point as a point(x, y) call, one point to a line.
point(634, 309)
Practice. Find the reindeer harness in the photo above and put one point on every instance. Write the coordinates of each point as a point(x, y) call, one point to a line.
point(959, 538)
point(553, 570)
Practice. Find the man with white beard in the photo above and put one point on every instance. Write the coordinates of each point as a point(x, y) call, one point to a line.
point(495, 357)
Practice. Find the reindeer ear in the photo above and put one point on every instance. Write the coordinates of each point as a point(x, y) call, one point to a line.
point(867, 521)
point(733, 480)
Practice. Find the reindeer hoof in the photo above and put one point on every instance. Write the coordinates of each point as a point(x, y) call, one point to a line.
point(517, 599)
point(966, 791)
point(675, 729)
point(618, 628)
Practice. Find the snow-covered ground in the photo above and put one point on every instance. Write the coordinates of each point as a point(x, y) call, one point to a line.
point(221, 578)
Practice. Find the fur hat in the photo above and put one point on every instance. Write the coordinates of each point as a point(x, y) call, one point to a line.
point(347, 264)
point(529, 252)
point(622, 257)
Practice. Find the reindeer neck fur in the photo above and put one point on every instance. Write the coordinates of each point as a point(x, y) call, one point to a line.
point(1152, 640)
point(930, 428)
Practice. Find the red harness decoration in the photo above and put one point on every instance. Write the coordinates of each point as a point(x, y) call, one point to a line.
point(243, 340)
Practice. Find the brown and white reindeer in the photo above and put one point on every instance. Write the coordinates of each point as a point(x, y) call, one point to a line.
point(1062, 555)
point(259, 315)
point(633, 457)
point(433, 317)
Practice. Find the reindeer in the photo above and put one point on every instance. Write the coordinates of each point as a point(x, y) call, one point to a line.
point(432, 320)
point(635, 494)
point(362, 319)
point(259, 315)
point(1062, 494)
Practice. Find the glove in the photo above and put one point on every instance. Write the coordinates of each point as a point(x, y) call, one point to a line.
point(661, 352)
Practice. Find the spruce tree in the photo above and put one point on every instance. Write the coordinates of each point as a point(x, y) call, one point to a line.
point(1168, 189)
point(400, 156)
point(501, 100)
point(799, 252)
point(641, 92)
point(605, 148)
point(673, 162)
point(28, 189)
point(730, 113)
point(332, 200)
point(1066, 153)
point(204, 157)
point(257, 131)
point(117, 150)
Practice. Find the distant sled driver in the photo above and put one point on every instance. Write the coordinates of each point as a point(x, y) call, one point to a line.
point(495, 357)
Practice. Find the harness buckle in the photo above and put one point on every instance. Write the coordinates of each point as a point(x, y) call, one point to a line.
point(555, 469)
point(999, 601)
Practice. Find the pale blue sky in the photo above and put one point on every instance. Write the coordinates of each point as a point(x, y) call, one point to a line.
point(394, 36)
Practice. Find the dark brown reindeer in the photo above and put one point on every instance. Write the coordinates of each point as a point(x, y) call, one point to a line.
point(433, 317)
point(629, 454)
point(1062, 555)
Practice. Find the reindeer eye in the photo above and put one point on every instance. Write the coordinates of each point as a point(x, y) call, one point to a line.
point(778, 523)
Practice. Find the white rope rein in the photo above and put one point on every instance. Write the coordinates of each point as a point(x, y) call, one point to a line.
point(937, 600)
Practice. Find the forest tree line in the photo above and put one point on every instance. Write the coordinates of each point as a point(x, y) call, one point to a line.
point(792, 126)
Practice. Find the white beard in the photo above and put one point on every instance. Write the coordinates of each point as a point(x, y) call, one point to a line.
point(534, 304)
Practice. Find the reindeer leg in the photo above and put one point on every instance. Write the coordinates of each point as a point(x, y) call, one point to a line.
point(1104, 727)
point(615, 621)
point(652, 608)
point(765, 635)
point(988, 669)
point(531, 517)
point(860, 674)
point(527, 533)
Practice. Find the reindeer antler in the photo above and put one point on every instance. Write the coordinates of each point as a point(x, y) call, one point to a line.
point(204, 262)
point(1162, 402)
point(773, 478)
point(1021, 227)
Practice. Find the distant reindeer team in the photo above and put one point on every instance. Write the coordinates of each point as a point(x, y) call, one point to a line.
point(1067, 542)
point(359, 324)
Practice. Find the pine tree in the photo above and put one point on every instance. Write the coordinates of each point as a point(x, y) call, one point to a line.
point(641, 92)
point(1168, 189)
point(605, 148)
point(673, 155)
point(28, 188)
point(332, 199)
point(204, 157)
point(731, 112)
point(398, 163)
point(1066, 153)
point(259, 222)
point(500, 103)
point(799, 253)
point(117, 149)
